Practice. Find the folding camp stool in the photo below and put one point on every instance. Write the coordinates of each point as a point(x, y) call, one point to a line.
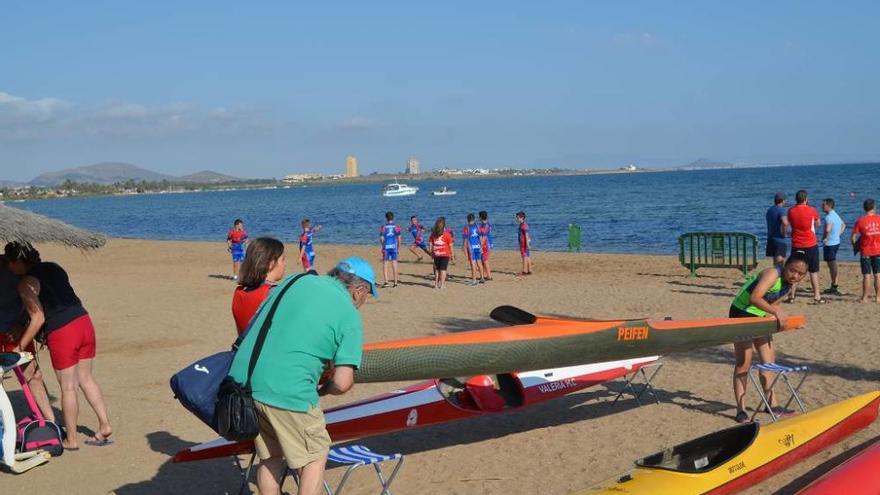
point(781, 372)
point(355, 456)
point(646, 387)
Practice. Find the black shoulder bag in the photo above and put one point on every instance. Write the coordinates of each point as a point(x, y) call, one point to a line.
point(236, 413)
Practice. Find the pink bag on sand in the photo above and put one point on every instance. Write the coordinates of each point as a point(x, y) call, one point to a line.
point(34, 432)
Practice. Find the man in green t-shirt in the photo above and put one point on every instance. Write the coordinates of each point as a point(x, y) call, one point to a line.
point(316, 322)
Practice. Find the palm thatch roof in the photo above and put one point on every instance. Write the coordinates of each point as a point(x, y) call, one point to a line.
point(20, 225)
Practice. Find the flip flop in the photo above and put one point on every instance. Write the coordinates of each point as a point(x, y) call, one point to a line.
point(71, 449)
point(99, 441)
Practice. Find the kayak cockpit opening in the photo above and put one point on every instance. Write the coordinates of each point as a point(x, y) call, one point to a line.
point(484, 393)
point(705, 453)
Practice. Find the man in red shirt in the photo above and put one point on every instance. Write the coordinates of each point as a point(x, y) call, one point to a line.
point(804, 220)
point(867, 234)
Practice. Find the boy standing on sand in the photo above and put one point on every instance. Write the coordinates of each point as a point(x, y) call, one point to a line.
point(236, 244)
point(525, 243)
point(415, 229)
point(804, 219)
point(867, 234)
point(389, 236)
point(486, 242)
point(306, 248)
point(834, 228)
point(473, 248)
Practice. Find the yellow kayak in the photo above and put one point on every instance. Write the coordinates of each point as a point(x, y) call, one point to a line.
point(730, 460)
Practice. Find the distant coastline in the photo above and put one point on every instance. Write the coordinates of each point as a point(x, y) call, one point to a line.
point(132, 187)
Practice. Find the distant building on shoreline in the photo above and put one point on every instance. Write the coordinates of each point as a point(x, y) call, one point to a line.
point(351, 166)
point(412, 166)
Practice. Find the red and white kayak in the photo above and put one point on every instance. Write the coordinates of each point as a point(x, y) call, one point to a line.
point(860, 475)
point(443, 400)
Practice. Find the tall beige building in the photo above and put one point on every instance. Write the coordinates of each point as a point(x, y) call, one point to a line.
point(351, 166)
point(412, 166)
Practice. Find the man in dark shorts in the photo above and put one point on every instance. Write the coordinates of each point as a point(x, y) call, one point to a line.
point(834, 228)
point(804, 220)
point(867, 234)
point(777, 229)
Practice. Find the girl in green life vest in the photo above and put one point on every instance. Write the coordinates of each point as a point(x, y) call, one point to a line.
point(762, 296)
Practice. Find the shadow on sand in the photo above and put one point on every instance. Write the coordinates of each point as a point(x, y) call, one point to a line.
point(195, 478)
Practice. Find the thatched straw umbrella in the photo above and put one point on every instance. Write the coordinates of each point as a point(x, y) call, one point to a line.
point(24, 226)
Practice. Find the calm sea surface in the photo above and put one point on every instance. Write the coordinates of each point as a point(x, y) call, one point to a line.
point(618, 213)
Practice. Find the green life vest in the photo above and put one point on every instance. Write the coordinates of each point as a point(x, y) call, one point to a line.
point(774, 293)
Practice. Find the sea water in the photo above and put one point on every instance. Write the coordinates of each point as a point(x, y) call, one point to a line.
point(618, 213)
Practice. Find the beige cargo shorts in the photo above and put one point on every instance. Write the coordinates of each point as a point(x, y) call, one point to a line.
point(300, 437)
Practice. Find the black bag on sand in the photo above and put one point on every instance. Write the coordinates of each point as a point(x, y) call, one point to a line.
point(236, 413)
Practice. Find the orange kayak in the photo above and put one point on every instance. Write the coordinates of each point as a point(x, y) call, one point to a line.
point(529, 342)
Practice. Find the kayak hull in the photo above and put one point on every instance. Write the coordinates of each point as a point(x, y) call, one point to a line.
point(551, 343)
point(774, 448)
point(437, 401)
point(859, 475)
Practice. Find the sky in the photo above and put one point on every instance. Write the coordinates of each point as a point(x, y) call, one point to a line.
point(264, 89)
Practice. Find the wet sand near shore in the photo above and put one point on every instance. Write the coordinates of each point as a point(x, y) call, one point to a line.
point(158, 306)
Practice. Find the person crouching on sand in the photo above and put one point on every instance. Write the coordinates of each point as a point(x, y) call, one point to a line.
point(55, 309)
point(263, 267)
point(761, 296)
point(441, 246)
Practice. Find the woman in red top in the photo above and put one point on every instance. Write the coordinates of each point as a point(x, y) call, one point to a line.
point(263, 267)
point(440, 244)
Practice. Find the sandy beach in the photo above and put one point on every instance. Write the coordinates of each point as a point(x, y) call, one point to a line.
point(158, 306)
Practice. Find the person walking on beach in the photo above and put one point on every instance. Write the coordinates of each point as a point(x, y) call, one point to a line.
point(834, 228)
point(306, 247)
point(866, 235)
point(762, 295)
point(236, 244)
point(263, 267)
point(525, 243)
point(486, 241)
point(804, 220)
point(389, 237)
point(415, 230)
point(441, 244)
point(473, 248)
point(777, 230)
point(11, 315)
point(316, 322)
point(57, 313)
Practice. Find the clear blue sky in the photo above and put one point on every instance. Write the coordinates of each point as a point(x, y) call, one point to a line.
point(269, 88)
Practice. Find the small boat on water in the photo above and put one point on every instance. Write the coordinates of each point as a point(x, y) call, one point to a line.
point(397, 189)
point(444, 191)
point(731, 460)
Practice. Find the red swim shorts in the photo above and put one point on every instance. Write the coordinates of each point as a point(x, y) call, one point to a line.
point(8, 341)
point(72, 343)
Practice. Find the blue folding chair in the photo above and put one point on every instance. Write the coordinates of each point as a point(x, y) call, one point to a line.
point(355, 456)
point(781, 372)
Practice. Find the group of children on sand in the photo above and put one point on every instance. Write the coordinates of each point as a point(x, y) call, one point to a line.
point(477, 245)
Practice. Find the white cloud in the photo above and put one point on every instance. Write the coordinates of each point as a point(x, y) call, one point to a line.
point(359, 123)
point(644, 40)
point(46, 118)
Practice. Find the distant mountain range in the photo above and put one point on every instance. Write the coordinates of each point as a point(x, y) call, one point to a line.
point(112, 172)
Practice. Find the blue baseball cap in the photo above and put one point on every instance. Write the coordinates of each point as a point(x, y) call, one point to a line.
point(360, 268)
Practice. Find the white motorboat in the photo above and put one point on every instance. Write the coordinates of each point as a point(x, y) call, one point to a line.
point(444, 191)
point(398, 189)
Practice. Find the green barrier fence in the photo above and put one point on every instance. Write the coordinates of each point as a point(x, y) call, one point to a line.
point(718, 250)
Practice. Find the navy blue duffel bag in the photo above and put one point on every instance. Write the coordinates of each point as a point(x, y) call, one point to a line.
point(196, 386)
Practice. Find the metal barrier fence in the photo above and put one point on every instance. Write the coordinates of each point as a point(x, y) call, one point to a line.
point(718, 250)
